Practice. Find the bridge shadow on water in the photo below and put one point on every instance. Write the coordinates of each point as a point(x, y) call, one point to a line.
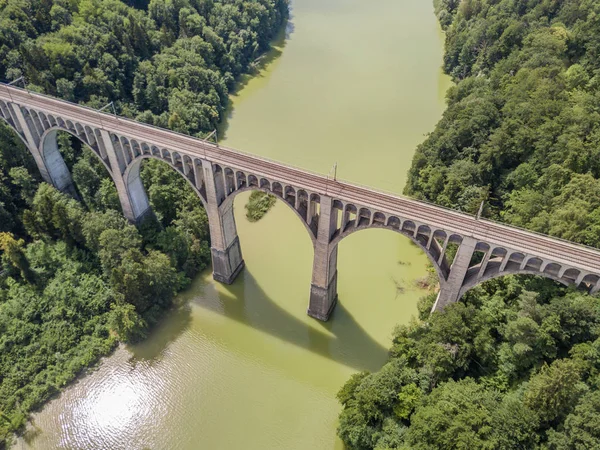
point(341, 339)
point(168, 330)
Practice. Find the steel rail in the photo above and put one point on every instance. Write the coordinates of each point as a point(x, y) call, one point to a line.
point(420, 212)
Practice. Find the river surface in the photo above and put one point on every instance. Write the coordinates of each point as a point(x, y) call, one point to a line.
point(356, 82)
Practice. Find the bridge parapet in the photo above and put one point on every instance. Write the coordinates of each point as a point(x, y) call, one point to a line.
point(464, 251)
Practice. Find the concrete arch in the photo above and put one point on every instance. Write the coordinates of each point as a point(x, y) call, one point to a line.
point(241, 179)
point(441, 270)
point(533, 263)
point(591, 279)
point(49, 160)
point(483, 247)
point(49, 135)
point(276, 189)
point(553, 269)
point(7, 115)
point(364, 217)
point(470, 284)
point(37, 123)
point(52, 120)
point(253, 181)
point(228, 203)
point(512, 261)
point(290, 195)
point(265, 184)
point(229, 178)
point(350, 217)
point(52, 164)
point(137, 192)
point(424, 230)
point(55, 164)
point(302, 203)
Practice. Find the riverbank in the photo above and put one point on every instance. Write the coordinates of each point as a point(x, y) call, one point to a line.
point(81, 277)
point(243, 366)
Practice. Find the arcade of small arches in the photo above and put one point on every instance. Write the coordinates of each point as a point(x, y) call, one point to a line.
point(328, 220)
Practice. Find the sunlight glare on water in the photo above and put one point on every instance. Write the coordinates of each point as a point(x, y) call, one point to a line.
point(356, 82)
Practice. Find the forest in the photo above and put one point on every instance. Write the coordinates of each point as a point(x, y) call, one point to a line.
point(75, 277)
point(516, 363)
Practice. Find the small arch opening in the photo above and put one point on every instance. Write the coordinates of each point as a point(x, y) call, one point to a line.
point(350, 215)
point(394, 222)
point(364, 217)
point(571, 275)
point(552, 269)
point(534, 264)
point(379, 219)
point(277, 189)
point(290, 195)
point(409, 227)
point(252, 181)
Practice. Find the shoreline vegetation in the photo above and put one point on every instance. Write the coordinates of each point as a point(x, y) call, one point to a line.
point(516, 363)
point(77, 279)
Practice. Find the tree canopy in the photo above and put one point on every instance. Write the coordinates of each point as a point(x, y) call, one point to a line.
point(75, 276)
point(515, 363)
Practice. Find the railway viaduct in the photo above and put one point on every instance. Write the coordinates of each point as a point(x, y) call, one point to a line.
point(330, 210)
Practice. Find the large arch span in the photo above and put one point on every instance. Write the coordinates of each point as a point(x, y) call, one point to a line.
point(330, 210)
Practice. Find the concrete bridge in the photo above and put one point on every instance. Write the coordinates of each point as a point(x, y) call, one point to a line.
point(330, 210)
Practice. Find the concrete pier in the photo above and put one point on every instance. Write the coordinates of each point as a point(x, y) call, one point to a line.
point(323, 288)
point(329, 209)
point(225, 245)
point(450, 288)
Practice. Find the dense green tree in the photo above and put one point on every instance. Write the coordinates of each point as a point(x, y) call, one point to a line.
point(22, 179)
point(75, 275)
point(145, 280)
point(14, 255)
point(54, 215)
point(125, 322)
point(114, 245)
point(517, 363)
point(555, 390)
point(456, 415)
point(503, 369)
point(582, 427)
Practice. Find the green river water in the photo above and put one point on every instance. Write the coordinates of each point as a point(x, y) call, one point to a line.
point(356, 82)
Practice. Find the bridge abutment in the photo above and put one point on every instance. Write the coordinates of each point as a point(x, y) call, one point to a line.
point(450, 289)
point(227, 259)
point(323, 288)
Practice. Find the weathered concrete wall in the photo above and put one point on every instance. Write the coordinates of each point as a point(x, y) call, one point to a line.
point(219, 173)
point(450, 289)
point(225, 245)
point(55, 164)
point(323, 288)
point(136, 193)
point(31, 142)
point(117, 175)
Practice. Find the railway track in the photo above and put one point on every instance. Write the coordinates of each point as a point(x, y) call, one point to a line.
point(453, 222)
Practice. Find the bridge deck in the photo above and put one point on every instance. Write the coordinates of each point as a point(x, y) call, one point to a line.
point(453, 221)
